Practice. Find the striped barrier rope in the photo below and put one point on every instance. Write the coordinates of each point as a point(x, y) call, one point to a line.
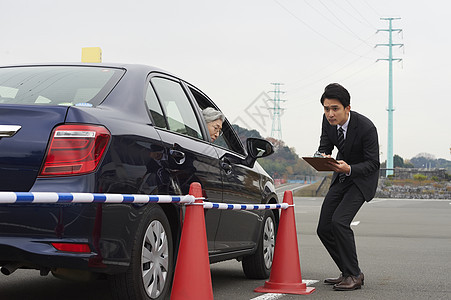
point(212, 205)
point(50, 197)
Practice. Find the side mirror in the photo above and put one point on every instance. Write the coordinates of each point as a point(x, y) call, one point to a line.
point(257, 148)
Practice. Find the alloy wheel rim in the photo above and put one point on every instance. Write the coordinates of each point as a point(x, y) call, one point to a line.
point(155, 259)
point(268, 242)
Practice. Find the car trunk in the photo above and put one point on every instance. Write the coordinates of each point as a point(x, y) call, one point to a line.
point(22, 154)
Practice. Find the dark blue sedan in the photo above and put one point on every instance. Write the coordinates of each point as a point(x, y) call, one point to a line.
point(127, 129)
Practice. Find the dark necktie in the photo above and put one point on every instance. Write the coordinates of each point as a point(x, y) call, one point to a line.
point(341, 148)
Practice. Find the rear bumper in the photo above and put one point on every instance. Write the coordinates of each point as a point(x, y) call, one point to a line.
point(28, 229)
point(40, 254)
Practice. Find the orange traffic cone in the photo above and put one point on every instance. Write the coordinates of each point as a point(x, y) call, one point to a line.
point(285, 277)
point(192, 278)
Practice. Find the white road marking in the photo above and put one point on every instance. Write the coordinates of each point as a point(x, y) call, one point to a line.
point(355, 223)
point(376, 200)
point(310, 282)
point(274, 296)
point(268, 297)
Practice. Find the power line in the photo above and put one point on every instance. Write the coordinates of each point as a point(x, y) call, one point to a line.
point(346, 26)
point(328, 19)
point(335, 62)
point(358, 12)
point(330, 74)
point(310, 95)
point(317, 32)
point(375, 11)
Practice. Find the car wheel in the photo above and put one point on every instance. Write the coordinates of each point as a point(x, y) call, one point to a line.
point(151, 265)
point(258, 265)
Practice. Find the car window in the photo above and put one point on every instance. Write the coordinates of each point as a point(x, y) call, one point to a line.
point(154, 108)
point(228, 139)
point(57, 85)
point(180, 116)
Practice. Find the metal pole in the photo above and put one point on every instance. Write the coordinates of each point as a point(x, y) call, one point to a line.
point(390, 109)
point(390, 103)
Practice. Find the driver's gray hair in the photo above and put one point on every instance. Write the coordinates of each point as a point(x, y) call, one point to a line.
point(210, 114)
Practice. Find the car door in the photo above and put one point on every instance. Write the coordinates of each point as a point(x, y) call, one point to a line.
point(237, 229)
point(190, 157)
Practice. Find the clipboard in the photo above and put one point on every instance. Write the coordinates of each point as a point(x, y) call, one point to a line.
point(320, 163)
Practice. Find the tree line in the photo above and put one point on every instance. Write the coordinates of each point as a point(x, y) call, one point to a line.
point(421, 161)
point(285, 163)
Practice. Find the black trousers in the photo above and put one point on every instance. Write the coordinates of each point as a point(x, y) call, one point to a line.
point(339, 208)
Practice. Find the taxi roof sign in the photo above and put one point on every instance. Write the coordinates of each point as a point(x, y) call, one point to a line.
point(91, 55)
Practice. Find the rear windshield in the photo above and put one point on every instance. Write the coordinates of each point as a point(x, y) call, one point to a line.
point(57, 85)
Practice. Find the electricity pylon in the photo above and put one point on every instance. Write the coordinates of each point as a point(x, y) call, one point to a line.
point(276, 128)
point(390, 108)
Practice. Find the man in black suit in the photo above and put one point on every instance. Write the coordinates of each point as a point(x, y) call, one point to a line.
point(354, 181)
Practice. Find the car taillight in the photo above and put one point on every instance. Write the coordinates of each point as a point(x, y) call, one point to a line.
point(72, 247)
point(75, 149)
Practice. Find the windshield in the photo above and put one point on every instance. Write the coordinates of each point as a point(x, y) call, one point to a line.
point(57, 85)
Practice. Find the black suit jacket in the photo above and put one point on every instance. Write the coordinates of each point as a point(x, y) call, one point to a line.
point(361, 151)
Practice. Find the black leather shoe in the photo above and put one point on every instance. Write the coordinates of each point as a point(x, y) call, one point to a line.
point(350, 283)
point(334, 280)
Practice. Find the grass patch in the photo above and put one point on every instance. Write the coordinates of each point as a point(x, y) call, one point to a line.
point(310, 190)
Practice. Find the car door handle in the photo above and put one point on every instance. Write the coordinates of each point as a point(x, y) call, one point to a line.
point(226, 166)
point(178, 156)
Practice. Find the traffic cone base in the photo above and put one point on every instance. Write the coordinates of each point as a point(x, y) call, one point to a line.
point(285, 288)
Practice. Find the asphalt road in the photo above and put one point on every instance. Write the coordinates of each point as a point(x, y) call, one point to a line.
point(404, 248)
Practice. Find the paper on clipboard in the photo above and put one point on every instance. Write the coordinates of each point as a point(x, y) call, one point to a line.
point(320, 163)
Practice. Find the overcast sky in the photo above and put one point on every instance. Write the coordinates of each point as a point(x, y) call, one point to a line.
point(233, 50)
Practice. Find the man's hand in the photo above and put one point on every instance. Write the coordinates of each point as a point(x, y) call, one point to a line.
point(341, 166)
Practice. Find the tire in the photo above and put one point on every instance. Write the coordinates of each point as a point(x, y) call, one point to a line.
point(149, 275)
point(258, 265)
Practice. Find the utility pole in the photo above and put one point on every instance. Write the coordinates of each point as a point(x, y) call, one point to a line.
point(277, 111)
point(390, 108)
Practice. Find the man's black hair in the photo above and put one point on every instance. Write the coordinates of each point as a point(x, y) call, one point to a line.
point(336, 91)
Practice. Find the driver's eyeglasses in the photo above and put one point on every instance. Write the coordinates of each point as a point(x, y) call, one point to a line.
point(218, 128)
